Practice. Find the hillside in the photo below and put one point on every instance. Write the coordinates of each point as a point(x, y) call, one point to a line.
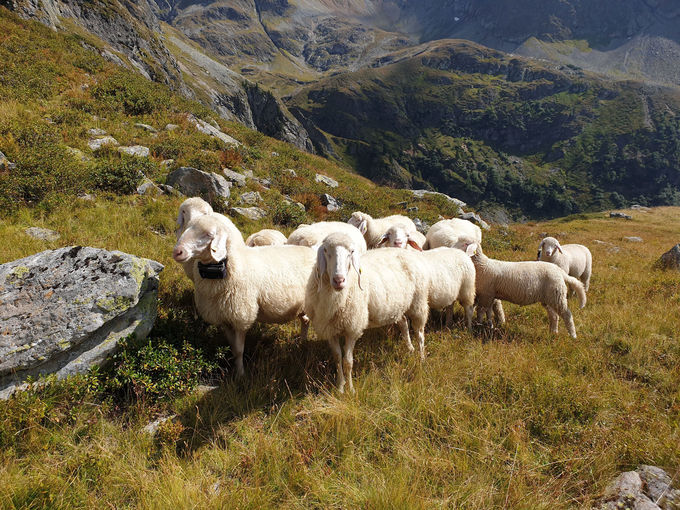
point(490, 128)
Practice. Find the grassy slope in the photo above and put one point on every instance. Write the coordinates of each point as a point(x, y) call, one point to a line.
point(520, 418)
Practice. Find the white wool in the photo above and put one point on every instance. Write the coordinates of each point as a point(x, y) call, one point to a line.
point(265, 284)
point(266, 237)
point(398, 236)
point(374, 228)
point(377, 288)
point(312, 235)
point(575, 259)
point(447, 233)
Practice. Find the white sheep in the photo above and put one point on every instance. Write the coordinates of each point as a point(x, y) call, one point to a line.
point(189, 210)
point(242, 285)
point(266, 237)
point(398, 236)
point(574, 259)
point(447, 232)
point(312, 235)
point(524, 283)
point(384, 287)
point(374, 228)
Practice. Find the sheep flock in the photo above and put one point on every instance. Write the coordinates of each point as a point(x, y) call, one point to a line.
point(345, 278)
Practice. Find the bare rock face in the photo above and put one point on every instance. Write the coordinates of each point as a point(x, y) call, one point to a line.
point(670, 259)
point(64, 311)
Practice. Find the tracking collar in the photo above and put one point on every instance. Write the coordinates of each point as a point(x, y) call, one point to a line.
point(217, 271)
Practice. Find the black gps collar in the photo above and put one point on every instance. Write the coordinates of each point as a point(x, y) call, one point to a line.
point(217, 271)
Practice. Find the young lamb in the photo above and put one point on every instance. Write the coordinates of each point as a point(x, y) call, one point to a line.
point(524, 283)
point(374, 228)
point(447, 232)
point(189, 210)
point(266, 237)
point(398, 236)
point(574, 259)
point(312, 235)
point(242, 284)
point(349, 292)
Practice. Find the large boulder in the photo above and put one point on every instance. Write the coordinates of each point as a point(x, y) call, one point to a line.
point(64, 311)
point(193, 182)
point(422, 193)
point(647, 488)
point(670, 259)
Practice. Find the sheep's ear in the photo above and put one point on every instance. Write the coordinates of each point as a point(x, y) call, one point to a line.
point(538, 255)
point(383, 239)
point(471, 249)
point(320, 266)
point(218, 246)
point(559, 248)
point(180, 219)
point(413, 244)
point(356, 264)
point(363, 226)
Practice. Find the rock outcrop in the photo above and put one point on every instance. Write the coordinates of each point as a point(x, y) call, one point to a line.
point(670, 259)
point(193, 182)
point(64, 311)
point(646, 488)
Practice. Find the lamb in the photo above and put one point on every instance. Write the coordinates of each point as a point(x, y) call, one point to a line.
point(312, 235)
point(266, 237)
point(398, 236)
point(240, 284)
point(385, 287)
point(189, 210)
point(524, 283)
point(447, 232)
point(575, 259)
point(374, 228)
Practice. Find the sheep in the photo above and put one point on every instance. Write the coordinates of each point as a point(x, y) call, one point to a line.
point(575, 259)
point(374, 228)
point(265, 283)
point(398, 236)
point(524, 283)
point(312, 235)
point(385, 287)
point(266, 237)
point(447, 232)
point(189, 210)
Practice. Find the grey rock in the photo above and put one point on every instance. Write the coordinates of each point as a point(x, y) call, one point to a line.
point(326, 180)
point(263, 181)
point(167, 162)
point(77, 153)
point(403, 204)
point(331, 203)
point(291, 201)
point(193, 182)
point(248, 174)
point(251, 197)
point(610, 247)
point(252, 213)
point(210, 130)
point(97, 143)
point(413, 209)
point(274, 154)
point(235, 177)
point(474, 218)
point(670, 259)
point(171, 127)
point(43, 234)
point(628, 483)
point(86, 196)
point(138, 151)
point(421, 226)
point(620, 215)
point(633, 239)
point(147, 187)
point(6, 164)
point(96, 132)
point(656, 481)
point(640, 208)
point(152, 427)
point(290, 171)
point(422, 193)
point(65, 310)
point(646, 488)
point(151, 129)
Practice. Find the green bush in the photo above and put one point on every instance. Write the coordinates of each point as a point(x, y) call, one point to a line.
point(289, 214)
point(157, 370)
point(130, 94)
point(204, 160)
point(122, 176)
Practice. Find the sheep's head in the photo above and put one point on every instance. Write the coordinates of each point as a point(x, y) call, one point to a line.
point(191, 209)
point(204, 239)
point(360, 221)
point(470, 246)
point(397, 237)
point(548, 247)
point(335, 257)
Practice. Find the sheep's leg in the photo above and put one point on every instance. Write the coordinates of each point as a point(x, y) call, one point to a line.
point(449, 315)
point(419, 329)
point(586, 282)
point(489, 316)
point(334, 344)
point(304, 327)
point(553, 318)
point(237, 344)
point(403, 327)
point(469, 312)
point(348, 361)
point(498, 312)
point(568, 321)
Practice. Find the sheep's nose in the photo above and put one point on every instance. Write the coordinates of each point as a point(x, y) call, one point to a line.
point(338, 280)
point(178, 253)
